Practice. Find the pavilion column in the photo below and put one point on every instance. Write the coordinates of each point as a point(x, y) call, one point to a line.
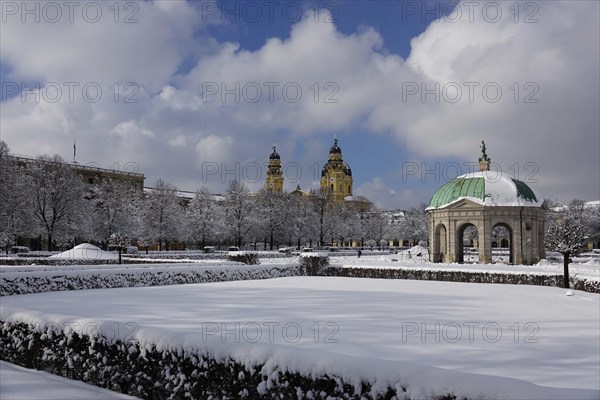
point(433, 250)
point(452, 233)
point(485, 241)
point(518, 243)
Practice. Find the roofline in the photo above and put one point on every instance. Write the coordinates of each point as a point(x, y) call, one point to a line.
point(28, 159)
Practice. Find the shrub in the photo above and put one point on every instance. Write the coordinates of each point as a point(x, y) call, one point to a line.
point(312, 264)
point(243, 257)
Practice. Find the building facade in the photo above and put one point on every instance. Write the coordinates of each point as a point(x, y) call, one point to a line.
point(93, 175)
point(274, 181)
point(336, 175)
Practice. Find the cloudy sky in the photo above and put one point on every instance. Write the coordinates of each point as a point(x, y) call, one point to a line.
point(197, 92)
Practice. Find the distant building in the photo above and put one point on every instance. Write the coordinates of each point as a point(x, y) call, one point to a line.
point(336, 176)
point(93, 175)
point(274, 181)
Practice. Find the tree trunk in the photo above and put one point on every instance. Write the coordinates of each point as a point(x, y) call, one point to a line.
point(566, 257)
point(120, 250)
point(147, 247)
point(49, 241)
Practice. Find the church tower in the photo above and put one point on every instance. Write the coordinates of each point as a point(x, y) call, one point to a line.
point(274, 181)
point(336, 176)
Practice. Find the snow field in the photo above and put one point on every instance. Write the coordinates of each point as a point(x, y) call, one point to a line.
point(20, 383)
point(482, 341)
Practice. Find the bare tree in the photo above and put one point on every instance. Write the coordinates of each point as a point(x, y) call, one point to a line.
point(347, 222)
point(238, 211)
point(377, 226)
point(114, 207)
point(271, 215)
point(363, 208)
point(12, 199)
point(566, 235)
point(145, 242)
point(591, 220)
point(304, 220)
point(323, 204)
point(161, 214)
point(205, 217)
point(56, 196)
point(414, 224)
point(119, 241)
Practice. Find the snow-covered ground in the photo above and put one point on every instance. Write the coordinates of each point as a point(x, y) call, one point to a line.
point(18, 383)
point(359, 327)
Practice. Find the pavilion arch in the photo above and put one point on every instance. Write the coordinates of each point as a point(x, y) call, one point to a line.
point(509, 241)
point(460, 239)
point(440, 243)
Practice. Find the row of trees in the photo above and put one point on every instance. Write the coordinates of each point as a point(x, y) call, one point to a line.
point(45, 198)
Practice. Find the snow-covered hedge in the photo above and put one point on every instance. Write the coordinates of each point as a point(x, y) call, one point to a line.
point(312, 263)
point(243, 257)
point(197, 255)
point(461, 276)
point(149, 373)
point(585, 285)
point(51, 281)
point(172, 255)
point(53, 261)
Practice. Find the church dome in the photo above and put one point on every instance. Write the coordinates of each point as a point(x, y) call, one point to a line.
point(335, 149)
point(346, 168)
point(488, 188)
point(274, 155)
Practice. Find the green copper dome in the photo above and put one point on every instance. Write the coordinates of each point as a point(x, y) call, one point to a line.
point(458, 188)
point(486, 188)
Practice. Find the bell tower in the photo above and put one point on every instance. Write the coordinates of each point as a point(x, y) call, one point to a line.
point(274, 181)
point(336, 176)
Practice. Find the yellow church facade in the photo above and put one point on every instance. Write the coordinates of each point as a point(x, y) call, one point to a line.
point(274, 181)
point(336, 175)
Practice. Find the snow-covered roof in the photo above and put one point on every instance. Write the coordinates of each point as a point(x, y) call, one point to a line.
point(85, 251)
point(488, 188)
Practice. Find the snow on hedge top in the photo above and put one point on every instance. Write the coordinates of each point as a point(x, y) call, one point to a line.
point(85, 251)
point(488, 188)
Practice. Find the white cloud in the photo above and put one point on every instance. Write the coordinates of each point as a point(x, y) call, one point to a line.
point(130, 129)
point(214, 148)
point(385, 197)
point(173, 129)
